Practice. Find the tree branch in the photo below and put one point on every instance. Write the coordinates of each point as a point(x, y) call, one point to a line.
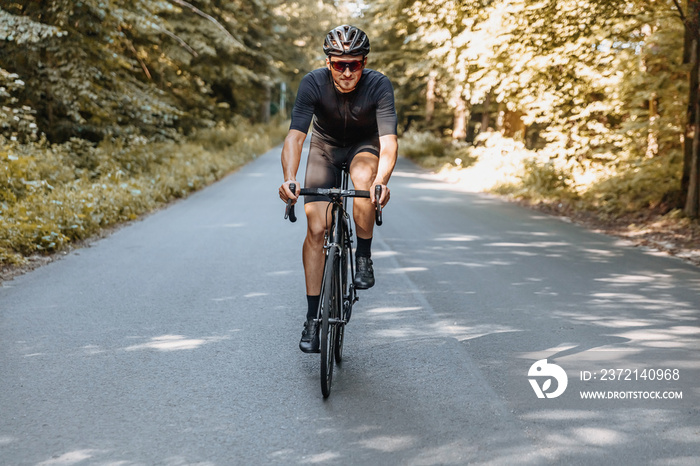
point(179, 41)
point(680, 10)
point(136, 54)
point(210, 18)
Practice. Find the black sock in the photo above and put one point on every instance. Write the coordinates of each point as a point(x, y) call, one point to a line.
point(312, 311)
point(364, 247)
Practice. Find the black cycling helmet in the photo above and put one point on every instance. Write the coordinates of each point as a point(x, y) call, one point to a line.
point(346, 40)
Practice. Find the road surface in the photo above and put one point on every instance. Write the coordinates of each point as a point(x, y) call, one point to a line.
point(174, 341)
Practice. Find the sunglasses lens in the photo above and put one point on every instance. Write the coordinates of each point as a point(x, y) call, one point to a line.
point(355, 66)
point(340, 66)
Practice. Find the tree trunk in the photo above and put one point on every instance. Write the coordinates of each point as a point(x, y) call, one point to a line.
point(692, 204)
point(690, 182)
point(265, 105)
point(652, 134)
point(485, 117)
point(501, 117)
point(461, 118)
point(513, 126)
point(430, 97)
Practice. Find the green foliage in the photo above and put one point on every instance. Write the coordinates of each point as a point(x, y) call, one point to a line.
point(95, 69)
point(545, 180)
point(636, 186)
point(432, 151)
point(594, 88)
point(51, 195)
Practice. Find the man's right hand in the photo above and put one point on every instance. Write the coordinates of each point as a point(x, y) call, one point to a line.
point(286, 193)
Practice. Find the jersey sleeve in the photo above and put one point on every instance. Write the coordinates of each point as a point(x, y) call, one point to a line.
point(387, 120)
point(304, 105)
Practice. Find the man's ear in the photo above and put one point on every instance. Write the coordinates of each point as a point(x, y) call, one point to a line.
point(328, 63)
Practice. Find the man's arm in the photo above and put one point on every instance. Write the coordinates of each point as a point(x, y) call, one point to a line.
point(388, 153)
point(291, 157)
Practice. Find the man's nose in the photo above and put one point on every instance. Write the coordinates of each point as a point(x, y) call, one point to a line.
point(347, 73)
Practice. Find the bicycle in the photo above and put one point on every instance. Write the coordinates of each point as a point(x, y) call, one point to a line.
point(338, 293)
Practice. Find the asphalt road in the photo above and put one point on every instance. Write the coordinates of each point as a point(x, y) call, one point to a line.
point(174, 341)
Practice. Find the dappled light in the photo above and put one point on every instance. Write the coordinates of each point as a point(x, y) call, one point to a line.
point(175, 343)
point(388, 444)
point(72, 457)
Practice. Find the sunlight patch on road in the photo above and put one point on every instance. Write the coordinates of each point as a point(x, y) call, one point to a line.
point(561, 415)
point(449, 329)
point(255, 295)
point(388, 443)
point(656, 280)
point(533, 244)
point(599, 436)
point(380, 254)
point(466, 264)
point(672, 337)
point(6, 440)
point(407, 269)
point(457, 238)
point(391, 310)
point(93, 349)
point(72, 457)
point(616, 300)
point(227, 298)
point(321, 457)
point(175, 343)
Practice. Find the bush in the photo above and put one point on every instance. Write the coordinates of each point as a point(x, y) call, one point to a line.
point(431, 151)
point(652, 183)
point(545, 179)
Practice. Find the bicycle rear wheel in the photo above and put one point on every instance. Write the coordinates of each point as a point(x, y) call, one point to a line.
point(330, 312)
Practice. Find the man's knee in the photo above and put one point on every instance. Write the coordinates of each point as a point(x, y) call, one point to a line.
point(315, 221)
point(363, 170)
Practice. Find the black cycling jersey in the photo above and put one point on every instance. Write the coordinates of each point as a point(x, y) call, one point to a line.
point(343, 119)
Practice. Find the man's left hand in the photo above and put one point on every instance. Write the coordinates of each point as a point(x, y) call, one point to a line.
point(384, 197)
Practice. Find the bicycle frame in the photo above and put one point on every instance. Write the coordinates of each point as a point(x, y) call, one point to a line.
point(339, 241)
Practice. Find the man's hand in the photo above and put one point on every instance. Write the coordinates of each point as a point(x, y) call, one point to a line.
point(286, 193)
point(385, 194)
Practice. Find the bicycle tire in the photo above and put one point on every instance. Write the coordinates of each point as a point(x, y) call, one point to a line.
point(329, 311)
point(346, 298)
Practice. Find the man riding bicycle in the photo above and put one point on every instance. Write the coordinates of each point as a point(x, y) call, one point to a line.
point(354, 129)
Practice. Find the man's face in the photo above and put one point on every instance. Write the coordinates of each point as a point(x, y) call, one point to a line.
point(341, 68)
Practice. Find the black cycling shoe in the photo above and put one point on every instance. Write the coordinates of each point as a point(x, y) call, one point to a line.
point(364, 277)
point(310, 342)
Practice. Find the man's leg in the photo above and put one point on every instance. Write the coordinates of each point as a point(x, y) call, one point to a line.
point(363, 171)
point(313, 258)
point(317, 217)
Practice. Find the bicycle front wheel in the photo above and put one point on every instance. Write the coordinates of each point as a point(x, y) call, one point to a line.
point(330, 312)
point(346, 298)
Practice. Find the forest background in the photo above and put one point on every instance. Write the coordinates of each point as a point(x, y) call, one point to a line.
point(110, 108)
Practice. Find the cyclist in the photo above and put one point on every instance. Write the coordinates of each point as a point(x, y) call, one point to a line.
point(354, 126)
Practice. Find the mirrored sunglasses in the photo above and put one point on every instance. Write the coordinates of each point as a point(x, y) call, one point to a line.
point(341, 66)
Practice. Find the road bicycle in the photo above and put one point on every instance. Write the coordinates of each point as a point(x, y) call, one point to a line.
point(338, 293)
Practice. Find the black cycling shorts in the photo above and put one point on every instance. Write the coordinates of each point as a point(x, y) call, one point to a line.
point(325, 164)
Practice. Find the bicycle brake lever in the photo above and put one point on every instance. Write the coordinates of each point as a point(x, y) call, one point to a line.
point(289, 211)
point(378, 213)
